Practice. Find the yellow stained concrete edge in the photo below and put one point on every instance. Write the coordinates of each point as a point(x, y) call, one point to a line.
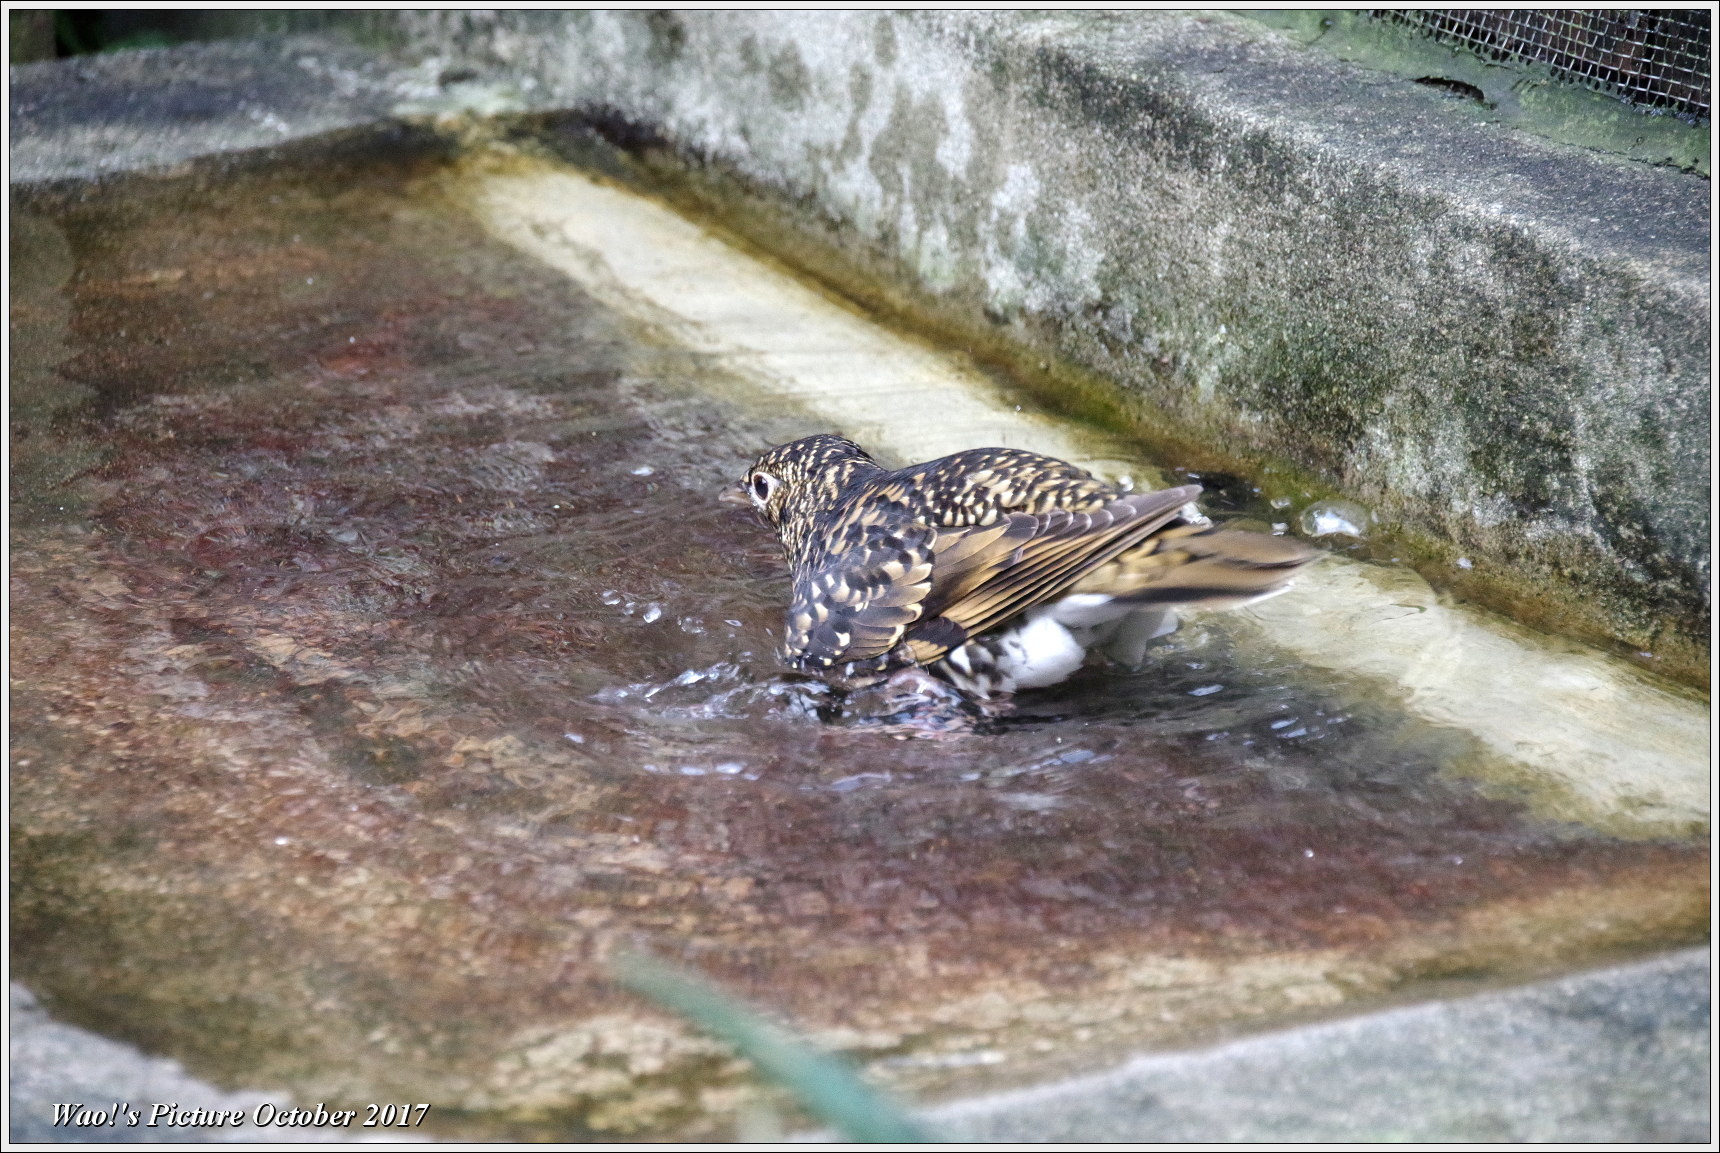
point(1578, 734)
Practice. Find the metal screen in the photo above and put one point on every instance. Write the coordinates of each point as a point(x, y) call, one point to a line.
point(1657, 59)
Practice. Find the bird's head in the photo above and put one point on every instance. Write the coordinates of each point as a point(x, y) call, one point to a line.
point(791, 484)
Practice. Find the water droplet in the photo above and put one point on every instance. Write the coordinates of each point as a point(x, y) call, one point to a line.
point(652, 612)
point(1205, 690)
point(1465, 562)
point(1335, 518)
point(575, 738)
point(644, 470)
point(1307, 852)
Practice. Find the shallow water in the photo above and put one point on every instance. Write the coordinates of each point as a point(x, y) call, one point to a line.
point(384, 661)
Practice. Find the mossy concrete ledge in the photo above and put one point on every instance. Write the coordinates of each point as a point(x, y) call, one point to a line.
point(1321, 276)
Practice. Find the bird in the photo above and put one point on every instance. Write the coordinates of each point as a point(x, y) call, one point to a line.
point(993, 569)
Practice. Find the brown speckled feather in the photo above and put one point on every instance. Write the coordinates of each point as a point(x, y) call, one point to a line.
point(900, 567)
point(861, 590)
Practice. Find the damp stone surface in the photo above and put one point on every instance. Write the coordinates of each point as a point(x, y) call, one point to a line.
point(384, 666)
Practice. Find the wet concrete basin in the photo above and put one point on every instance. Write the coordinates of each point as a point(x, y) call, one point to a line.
point(383, 664)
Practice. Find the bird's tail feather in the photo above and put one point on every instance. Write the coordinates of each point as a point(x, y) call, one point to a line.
point(1203, 566)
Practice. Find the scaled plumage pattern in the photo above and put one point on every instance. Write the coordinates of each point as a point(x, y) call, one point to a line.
point(994, 568)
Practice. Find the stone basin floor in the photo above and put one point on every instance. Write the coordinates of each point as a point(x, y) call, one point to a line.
point(384, 664)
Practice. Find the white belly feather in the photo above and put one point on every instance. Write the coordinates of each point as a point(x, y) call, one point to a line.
point(1050, 642)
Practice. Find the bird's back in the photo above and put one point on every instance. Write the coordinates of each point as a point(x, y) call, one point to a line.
point(979, 485)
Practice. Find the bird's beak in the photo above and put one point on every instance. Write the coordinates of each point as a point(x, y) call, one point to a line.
point(735, 494)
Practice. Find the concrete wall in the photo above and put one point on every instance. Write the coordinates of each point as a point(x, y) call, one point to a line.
point(1323, 276)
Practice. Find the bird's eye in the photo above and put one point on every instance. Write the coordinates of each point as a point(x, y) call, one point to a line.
point(762, 486)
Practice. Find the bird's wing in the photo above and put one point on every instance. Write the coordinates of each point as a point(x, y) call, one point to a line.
point(983, 576)
point(884, 578)
point(867, 584)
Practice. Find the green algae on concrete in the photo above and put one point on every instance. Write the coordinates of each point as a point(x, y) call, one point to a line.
point(1523, 94)
point(397, 668)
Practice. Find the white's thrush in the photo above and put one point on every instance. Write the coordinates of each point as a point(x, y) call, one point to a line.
point(996, 569)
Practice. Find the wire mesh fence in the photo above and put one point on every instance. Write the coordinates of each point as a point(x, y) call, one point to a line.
point(1657, 59)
